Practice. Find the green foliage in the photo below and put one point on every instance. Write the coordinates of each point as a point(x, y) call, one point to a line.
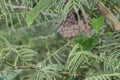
point(78, 58)
point(97, 23)
point(43, 4)
point(86, 42)
point(39, 53)
point(9, 74)
point(54, 57)
point(22, 53)
point(48, 72)
point(102, 67)
point(103, 77)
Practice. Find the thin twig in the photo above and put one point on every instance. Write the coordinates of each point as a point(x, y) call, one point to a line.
point(18, 67)
point(66, 74)
point(8, 64)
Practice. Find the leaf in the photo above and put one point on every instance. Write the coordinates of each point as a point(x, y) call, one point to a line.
point(48, 72)
point(97, 23)
point(86, 42)
point(42, 5)
point(77, 58)
point(6, 75)
point(103, 76)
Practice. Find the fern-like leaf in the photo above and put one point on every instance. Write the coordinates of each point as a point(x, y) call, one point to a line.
point(9, 74)
point(20, 53)
point(104, 77)
point(55, 57)
point(78, 58)
point(48, 72)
